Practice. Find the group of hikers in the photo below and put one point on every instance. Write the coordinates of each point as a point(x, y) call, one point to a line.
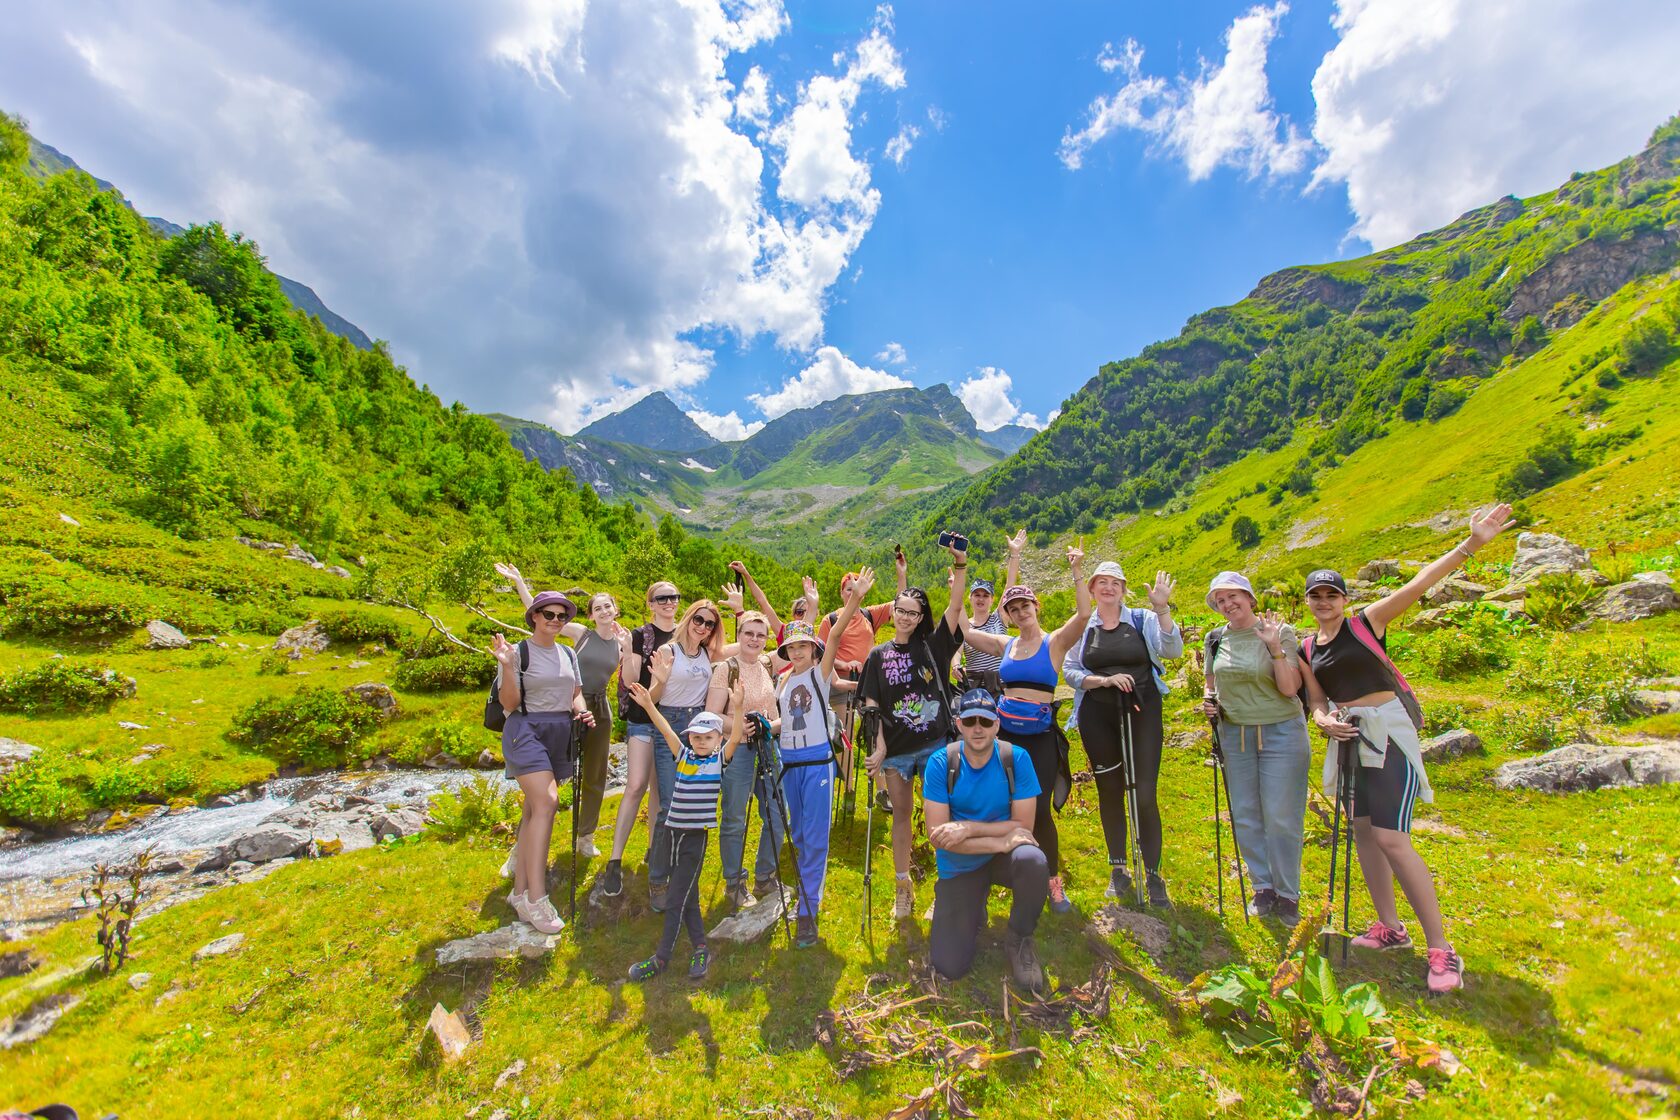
point(969, 708)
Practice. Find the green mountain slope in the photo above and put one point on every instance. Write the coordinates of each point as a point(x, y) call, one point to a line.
point(653, 422)
point(1353, 350)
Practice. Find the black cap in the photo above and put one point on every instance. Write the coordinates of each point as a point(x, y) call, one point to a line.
point(1325, 577)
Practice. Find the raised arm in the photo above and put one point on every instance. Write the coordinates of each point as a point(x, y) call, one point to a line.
point(740, 568)
point(738, 722)
point(954, 616)
point(1484, 526)
point(1012, 573)
point(511, 573)
point(860, 587)
point(642, 696)
point(1160, 601)
point(1069, 632)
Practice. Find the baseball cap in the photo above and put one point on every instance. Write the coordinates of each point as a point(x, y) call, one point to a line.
point(705, 721)
point(1326, 577)
point(977, 702)
point(985, 585)
point(1015, 594)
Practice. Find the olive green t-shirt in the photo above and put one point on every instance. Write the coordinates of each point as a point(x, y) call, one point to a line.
point(1242, 675)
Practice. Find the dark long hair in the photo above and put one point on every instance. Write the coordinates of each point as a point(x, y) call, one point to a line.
point(924, 625)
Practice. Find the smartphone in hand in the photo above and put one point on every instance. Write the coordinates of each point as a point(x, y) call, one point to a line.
point(948, 539)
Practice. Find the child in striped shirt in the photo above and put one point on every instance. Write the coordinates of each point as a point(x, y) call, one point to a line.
point(691, 816)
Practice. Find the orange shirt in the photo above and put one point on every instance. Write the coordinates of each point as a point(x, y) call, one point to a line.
point(859, 636)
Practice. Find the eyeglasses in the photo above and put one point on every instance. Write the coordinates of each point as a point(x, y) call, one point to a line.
point(907, 612)
point(666, 599)
point(554, 616)
point(705, 623)
point(976, 721)
point(755, 636)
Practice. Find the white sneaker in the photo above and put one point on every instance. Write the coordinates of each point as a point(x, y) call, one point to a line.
point(587, 848)
point(507, 865)
point(539, 915)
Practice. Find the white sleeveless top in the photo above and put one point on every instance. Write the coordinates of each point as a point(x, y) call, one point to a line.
point(690, 678)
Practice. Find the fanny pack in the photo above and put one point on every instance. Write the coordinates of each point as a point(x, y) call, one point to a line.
point(1024, 717)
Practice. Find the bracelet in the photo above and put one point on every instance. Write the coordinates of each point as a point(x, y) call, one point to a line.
point(959, 567)
point(1278, 656)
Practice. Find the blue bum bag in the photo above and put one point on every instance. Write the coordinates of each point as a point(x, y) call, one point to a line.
point(1024, 717)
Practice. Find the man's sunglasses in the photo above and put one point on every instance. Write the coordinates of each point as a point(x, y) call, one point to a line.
point(553, 616)
point(705, 623)
point(976, 721)
point(666, 599)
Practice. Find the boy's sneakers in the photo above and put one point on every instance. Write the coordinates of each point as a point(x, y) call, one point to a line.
point(1265, 901)
point(539, 915)
point(612, 879)
point(1157, 887)
point(698, 964)
point(1446, 972)
point(1287, 911)
point(1024, 968)
point(904, 899)
point(656, 896)
point(738, 895)
point(648, 969)
point(805, 931)
point(1119, 882)
point(1379, 936)
point(1059, 903)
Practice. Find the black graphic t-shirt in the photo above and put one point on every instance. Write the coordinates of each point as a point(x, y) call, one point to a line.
point(907, 683)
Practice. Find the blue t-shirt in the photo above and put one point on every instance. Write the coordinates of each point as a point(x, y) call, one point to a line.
point(981, 795)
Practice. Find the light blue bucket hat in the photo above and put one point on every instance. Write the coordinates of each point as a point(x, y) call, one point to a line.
point(1232, 581)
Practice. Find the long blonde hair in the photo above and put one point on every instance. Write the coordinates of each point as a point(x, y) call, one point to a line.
point(712, 645)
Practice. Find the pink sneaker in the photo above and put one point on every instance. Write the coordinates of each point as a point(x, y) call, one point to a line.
point(1379, 936)
point(1446, 972)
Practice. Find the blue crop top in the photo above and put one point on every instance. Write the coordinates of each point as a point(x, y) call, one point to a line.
point(1037, 671)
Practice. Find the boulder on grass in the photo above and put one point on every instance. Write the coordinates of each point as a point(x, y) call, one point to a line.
point(161, 635)
point(37, 1020)
point(752, 923)
point(1454, 590)
point(516, 940)
point(1152, 934)
point(309, 637)
point(1375, 570)
point(1538, 553)
point(1452, 744)
point(220, 947)
point(448, 1032)
point(13, 752)
point(375, 695)
point(1587, 766)
point(397, 822)
point(1655, 702)
point(1634, 600)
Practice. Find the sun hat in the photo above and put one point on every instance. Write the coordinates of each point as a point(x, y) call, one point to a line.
point(1014, 594)
point(1326, 577)
point(801, 632)
point(550, 599)
point(1106, 568)
point(705, 721)
point(977, 702)
point(1229, 581)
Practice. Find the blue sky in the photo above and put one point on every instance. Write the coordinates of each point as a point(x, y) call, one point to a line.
point(549, 207)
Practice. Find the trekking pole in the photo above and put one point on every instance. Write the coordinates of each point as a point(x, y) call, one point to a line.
point(1128, 757)
point(1336, 844)
point(868, 738)
point(773, 787)
point(1347, 857)
point(1218, 844)
point(1242, 883)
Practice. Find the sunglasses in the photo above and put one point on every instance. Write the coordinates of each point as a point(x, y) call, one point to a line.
point(553, 616)
point(666, 599)
point(705, 623)
point(976, 721)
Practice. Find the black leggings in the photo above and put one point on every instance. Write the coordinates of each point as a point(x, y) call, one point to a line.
point(1041, 748)
point(1099, 728)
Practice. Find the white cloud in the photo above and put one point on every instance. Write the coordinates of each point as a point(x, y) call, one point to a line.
point(539, 201)
point(1427, 108)
point(898, 148)
point(831, 374)
point(1220, 117)
point(893, 354)
point(728, 427)
point(986, 396)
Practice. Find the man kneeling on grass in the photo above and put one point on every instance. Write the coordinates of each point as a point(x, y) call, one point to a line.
point(980, 797)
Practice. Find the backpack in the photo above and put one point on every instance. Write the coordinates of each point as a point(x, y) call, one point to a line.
point(495, 719)
point(953, 765)
point(1363, 634)
point(624, 701)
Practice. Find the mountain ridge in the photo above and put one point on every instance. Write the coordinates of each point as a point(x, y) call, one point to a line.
point(654, 422)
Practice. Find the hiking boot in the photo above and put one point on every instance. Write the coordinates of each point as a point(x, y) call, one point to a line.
point(1119, 883)
point(1265, 902)
point(882, 801)
point(539, 915)
point(1287, 911)
point(1446, 972)
point(1059, 903)
point(586, 848)
point(904, 899)
point(699, 963)
point(612, 879)
point(648, 969)
point(1024, 968)
point(656, 896)
point(805, 931)
point(1379, 936)
point(1157, 888)
point(764, 888)
point(738, 896)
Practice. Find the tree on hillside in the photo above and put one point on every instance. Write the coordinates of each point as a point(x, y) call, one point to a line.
point(1245, 532)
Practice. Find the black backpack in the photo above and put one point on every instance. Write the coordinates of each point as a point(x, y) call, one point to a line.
point(495, 719)
point(953, 765)
point(624, 701)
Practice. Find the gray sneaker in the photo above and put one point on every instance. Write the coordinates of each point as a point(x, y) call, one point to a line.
point(1119, 882)
point(1157, 887)
point(1024, 968)
point(738, 895)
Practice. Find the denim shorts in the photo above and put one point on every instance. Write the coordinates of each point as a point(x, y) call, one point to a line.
point(909, 765)
point(638, 731)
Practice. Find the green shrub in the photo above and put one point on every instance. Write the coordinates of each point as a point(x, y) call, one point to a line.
point(1648, 346)
point(455, 737)
point(1551, 460)
point(316, 726)
point(39, 793)
point(356, 627)
point(115, 784)
point(1558, 600)
point(1593, 682)
point(1444, 400)
point(428, 645)
point(60, 686)
point(212, 659)
point(1529, 729)
point(1478, 645)
point(274, 664)
point(1245, 532)
point(452, 672)
point(479, 808)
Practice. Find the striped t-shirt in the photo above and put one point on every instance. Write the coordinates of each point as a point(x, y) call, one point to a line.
point(980, 661)
point(694, 802)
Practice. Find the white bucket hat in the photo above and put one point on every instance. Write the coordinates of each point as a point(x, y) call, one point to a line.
point(1106, 568)
point(1232, 581)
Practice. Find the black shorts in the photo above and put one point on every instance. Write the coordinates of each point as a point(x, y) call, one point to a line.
point(1386, 794)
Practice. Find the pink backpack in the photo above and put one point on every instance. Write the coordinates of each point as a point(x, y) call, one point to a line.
point(1367, 638)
